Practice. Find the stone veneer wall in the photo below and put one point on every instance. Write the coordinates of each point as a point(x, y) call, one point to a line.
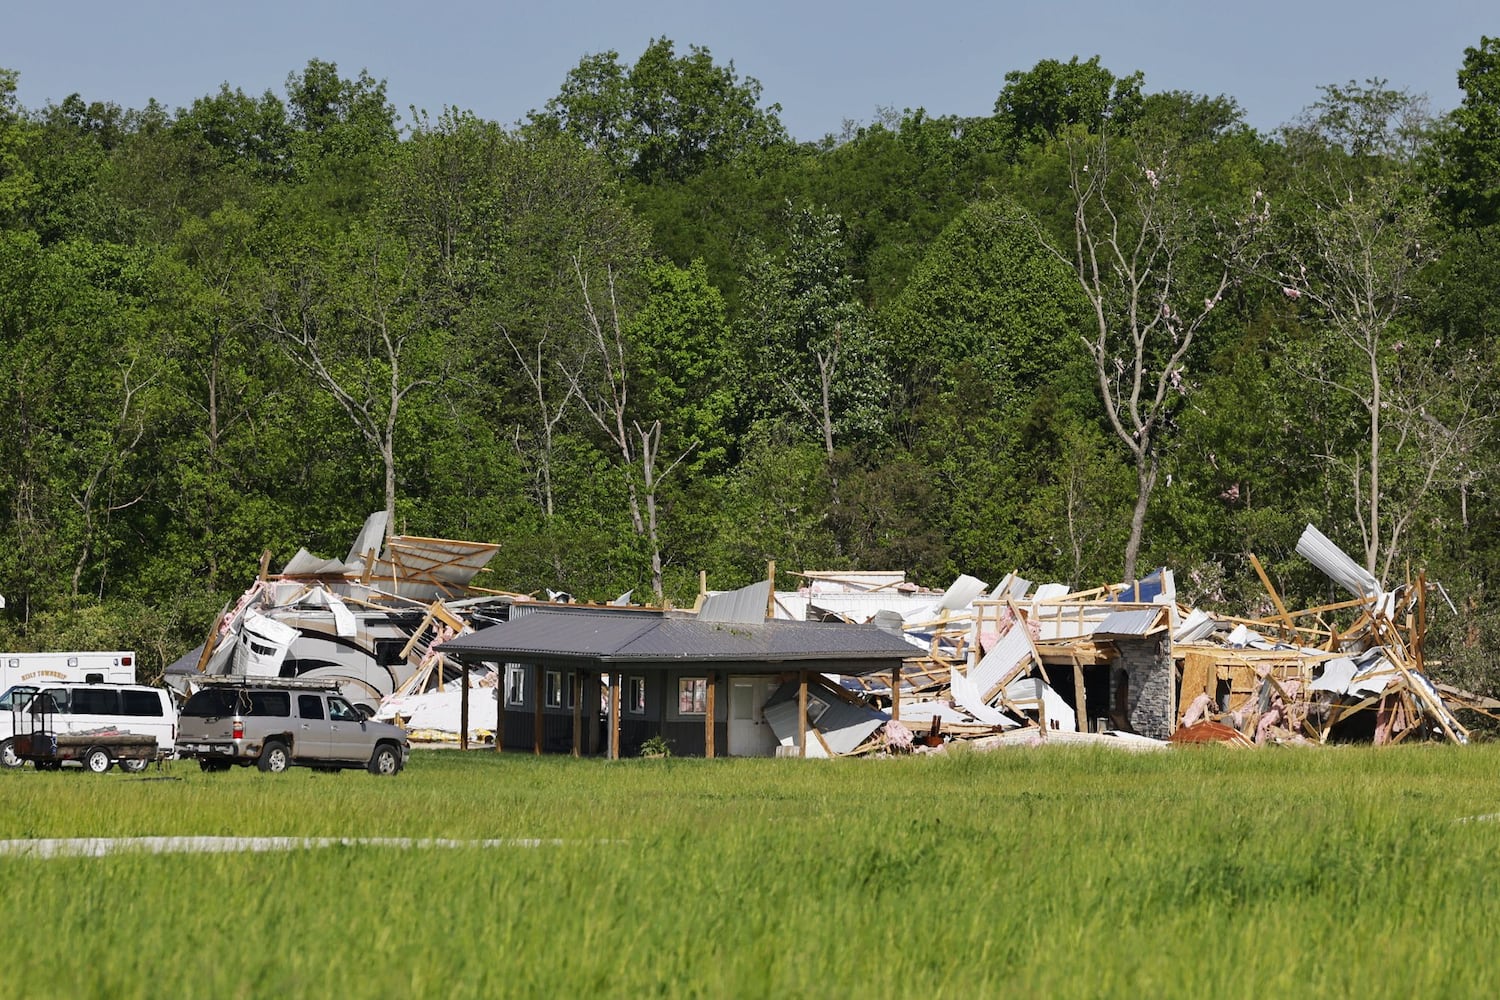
point(1147, 662)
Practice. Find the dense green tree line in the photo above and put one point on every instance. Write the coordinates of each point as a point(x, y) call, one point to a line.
point(644, 334)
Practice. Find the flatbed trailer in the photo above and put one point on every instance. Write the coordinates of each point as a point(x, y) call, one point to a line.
point(98, 752)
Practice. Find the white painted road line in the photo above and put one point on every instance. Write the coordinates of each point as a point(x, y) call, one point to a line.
point(98, 847)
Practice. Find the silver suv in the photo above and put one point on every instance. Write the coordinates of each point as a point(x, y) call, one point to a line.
point(276, 724)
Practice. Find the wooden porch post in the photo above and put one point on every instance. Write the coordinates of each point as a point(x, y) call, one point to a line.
point(708, 720)
point(536, 710)
point(614, 716)
point(802, 713)
point(463, 707)
point(896, 693)
point(1079, 704)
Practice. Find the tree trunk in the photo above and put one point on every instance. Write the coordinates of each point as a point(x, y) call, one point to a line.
point(1146, 472)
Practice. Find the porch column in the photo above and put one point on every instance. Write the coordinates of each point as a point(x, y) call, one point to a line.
point(614, 716)
point(500, 679)
point(577, 689)
point(708, 720)
point(463, 706)
point(1079, 704)
point(802, 713)
point(536, 710)
point(896, 693)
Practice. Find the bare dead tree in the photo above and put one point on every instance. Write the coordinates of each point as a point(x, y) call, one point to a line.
point(607, 400)
point(355, 340)
point(1152, 270)
point(1352, 268)
point(96, 500)
point(551, 406)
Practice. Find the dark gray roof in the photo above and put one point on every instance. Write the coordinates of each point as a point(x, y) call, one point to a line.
point(604, 638)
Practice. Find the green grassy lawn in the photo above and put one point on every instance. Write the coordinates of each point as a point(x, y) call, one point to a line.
point(1032, 872)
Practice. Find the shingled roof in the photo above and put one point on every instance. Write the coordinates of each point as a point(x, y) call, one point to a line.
point(578, 638)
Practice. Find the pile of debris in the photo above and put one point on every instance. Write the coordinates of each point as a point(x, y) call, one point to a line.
point(1018, 665)
point(373, 622)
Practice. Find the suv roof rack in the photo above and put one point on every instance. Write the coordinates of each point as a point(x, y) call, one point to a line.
point(245, 680)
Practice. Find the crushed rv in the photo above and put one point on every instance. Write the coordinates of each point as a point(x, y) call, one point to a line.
point(369, 622)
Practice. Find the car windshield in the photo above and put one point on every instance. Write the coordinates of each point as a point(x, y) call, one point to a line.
point(17, 697)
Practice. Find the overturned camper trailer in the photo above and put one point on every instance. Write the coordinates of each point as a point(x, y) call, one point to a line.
point(369, 622)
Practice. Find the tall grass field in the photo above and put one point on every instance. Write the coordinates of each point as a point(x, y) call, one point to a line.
point(1034, 872)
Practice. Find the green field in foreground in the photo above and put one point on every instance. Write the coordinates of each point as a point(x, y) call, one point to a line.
point(1028, 872)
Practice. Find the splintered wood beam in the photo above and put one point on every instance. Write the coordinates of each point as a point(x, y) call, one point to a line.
point(211, 642)
point(1265, 581)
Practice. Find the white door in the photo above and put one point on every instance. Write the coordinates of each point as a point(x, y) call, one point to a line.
point(749, 733)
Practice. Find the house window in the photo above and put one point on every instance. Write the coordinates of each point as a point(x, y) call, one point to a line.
point(692, 696)
point(515, 684)
point(572, 689)
point(554, 689)
point(635, 691)
point(816, 706)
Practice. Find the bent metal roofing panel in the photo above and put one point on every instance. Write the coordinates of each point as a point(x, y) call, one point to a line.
point(604, 637)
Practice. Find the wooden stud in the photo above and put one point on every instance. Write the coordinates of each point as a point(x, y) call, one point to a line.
point(1265, 581)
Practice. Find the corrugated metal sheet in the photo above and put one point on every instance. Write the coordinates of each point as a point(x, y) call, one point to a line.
point(1317, 549)
point(1138, 622)
point(1012, 649)
point(746, 605)
point(843, 726)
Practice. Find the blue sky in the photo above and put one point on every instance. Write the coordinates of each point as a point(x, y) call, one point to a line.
point(824, 62)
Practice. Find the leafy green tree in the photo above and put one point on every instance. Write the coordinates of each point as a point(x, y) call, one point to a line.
point(1040, 104)
point(814, 354)
point(990, 302)
point(16, 180)
point(245, 133)
point(1466, 148)
point(665, 118)
point(1356, 240)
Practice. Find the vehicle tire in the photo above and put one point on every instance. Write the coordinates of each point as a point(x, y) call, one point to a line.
point(8, 756)
point(385, 760)
point(133, 765)
point(274, 757)
point(98, 760)
point(213, 766)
